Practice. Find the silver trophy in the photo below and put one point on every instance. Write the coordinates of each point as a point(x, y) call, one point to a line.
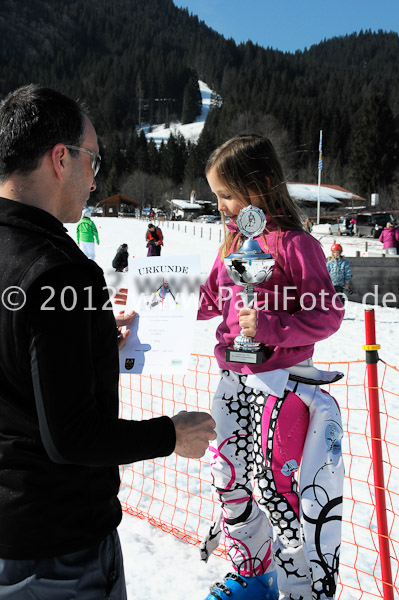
point(248, 267)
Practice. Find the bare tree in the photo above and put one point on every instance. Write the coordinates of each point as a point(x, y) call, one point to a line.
point(267, 125)
point(147, 189)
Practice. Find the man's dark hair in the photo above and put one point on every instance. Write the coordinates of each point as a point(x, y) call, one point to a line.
point(33, 119)
point(151, 226)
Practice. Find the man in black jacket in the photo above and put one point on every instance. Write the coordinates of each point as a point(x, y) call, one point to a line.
point(60, 437)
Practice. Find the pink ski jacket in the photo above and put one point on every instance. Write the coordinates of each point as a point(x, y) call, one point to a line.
point(389, 237)
point(296, 307)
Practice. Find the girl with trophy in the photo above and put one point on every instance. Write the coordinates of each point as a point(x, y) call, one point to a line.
point(273, 420)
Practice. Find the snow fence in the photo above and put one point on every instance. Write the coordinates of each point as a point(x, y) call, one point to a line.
point(175, 494)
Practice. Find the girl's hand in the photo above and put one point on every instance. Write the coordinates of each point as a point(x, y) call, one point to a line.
point(122, 337)
point(248, 321)
point(120, 297)
point(123, 320)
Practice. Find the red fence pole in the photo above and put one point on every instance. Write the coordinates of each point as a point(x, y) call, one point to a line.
point(376, 453)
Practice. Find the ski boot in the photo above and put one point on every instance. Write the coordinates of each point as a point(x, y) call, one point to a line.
point(236, 587)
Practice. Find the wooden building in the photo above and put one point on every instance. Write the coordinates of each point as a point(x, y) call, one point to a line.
point(118, 205)
point(331, 196)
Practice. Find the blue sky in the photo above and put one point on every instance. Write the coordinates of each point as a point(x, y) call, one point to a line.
point(290, 25)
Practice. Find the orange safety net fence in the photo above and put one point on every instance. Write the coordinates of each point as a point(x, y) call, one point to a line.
point(175, 494)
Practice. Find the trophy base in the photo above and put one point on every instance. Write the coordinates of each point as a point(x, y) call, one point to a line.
point(243, 356)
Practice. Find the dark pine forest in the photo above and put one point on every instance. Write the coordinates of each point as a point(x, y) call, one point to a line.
point(139, 61)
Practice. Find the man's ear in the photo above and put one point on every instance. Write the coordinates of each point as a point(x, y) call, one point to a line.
point(58, 157)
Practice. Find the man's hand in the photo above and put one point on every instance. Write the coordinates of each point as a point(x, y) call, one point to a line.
point(248, 321)
point(194, 430)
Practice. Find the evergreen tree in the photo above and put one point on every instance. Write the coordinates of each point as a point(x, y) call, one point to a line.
point(131, 149)
point(154, 158)
point(174, 159)
point(112, 182)
point(374, 156)
point(114, 155)
point(142, 158)
point(192, 100)
point(192, 170)
point(207, 141)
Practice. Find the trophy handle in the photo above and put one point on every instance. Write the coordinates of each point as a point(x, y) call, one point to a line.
point(248, 296)
point(251, 222)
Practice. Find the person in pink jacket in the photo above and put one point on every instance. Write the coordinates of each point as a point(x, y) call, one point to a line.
point(272, 419)
point(390, 238)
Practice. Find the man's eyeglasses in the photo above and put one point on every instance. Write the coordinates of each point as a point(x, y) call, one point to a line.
point(95, 157)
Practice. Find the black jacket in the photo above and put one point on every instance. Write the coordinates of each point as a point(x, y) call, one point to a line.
point(120, 260)
point(60, 437)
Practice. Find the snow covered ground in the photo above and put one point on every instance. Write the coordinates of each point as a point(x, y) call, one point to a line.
point(157, 564)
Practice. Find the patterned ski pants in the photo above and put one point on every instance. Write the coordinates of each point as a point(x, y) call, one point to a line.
point(299, 531)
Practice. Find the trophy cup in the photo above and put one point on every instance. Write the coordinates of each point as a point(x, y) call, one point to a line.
point(247, 267)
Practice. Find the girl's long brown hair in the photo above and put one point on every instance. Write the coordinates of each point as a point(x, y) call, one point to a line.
point(247, 164)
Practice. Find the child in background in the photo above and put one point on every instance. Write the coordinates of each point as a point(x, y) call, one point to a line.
point(86, 233)
point(273, 418)
point(389, 237)
point(120, 260)
point(340, 271)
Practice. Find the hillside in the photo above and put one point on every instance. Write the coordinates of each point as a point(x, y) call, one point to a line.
point(138, 61)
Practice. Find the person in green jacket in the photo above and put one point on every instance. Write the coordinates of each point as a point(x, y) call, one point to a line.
point(86, 232)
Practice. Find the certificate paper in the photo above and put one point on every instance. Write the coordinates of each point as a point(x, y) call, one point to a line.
point(164, 291)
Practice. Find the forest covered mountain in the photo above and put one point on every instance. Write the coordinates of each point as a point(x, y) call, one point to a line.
point(139, 60)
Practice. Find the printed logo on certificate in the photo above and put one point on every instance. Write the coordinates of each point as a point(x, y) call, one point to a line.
point(164, 292)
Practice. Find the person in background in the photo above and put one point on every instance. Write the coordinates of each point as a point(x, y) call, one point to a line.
point(272, 419)
point(340, 271)
point(389, 237)
point(154, 239)
point(61, 440)
point(86, 233)
point(120, 260)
